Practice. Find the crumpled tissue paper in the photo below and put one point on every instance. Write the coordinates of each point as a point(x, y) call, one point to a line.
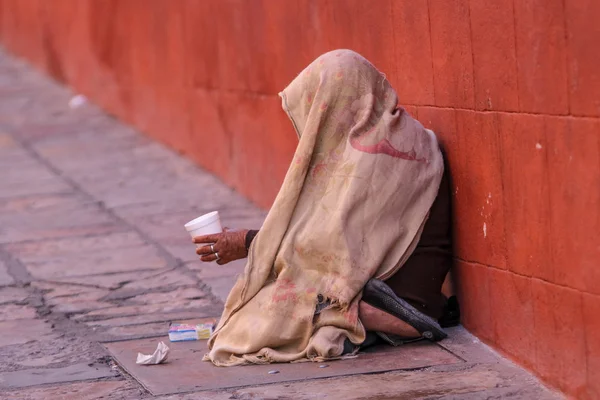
point(160, 355)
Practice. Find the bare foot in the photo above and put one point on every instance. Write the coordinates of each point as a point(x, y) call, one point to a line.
point(374, 319)
point(448, 286)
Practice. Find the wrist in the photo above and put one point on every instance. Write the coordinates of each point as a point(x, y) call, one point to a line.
point(249, 238)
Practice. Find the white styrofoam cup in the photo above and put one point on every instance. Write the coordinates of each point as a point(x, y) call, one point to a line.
point(206, 224)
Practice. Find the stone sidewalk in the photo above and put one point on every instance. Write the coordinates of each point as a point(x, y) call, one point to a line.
point(93, 250)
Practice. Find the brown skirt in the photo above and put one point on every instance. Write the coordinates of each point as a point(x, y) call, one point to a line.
point(420, 279)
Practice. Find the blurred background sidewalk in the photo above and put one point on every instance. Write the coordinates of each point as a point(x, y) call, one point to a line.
point(511, 88)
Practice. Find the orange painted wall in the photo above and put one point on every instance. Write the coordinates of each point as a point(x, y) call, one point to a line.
point(511, 87)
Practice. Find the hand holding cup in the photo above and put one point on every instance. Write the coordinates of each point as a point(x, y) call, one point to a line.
point(222, 247)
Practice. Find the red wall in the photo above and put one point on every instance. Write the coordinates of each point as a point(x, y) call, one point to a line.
point(511, 87)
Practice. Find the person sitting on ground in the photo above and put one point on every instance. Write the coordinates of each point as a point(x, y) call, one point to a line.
point(357, 243)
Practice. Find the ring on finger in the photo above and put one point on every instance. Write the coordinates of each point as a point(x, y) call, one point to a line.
point(212, 248)
point(217, 254)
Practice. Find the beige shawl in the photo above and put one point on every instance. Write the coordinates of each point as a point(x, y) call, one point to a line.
point(351, 207)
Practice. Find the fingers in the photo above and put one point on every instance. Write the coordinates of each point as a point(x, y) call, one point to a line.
point(209, 257)
point(230, 244)
point(212, 257)
point(207, 238)
point(204, 250)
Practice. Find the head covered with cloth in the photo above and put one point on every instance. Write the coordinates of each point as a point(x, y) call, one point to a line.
point(352, 207)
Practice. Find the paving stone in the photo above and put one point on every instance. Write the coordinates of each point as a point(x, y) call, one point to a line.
point(13, 295)
point(214, 270)
point(120, 389)
point(128, 259)
point(93, 226)
point(209, 395)
point(22, 331)
point(54, 290)
point(85, 151)
point(148, 191)
point(203, 307)
point(5, 278)
point(16, 312)
point(170, 278)
point(107, 281)
point(59, 127)
point(183, 251)
point(52, 216)
point(159, 329)
point(132, 160)
point(53, 350)
point(40, 109)
point(70, 298)
point(221, 286)
point(145, 319)
point(32, 251)
point(457, 384)
point(202, 375)
point(29, 207)
point(162, 282)
point(78, 307)
point(124, 185)
point(39, 361)
point(461, 343)
point(112, 252)
point(11, 152)
point(133, 213)
point(14, 158)
point(29, 178)
point(41, 376)
point(8, 144)
point(179, 295)
point(124, 175)
point(223, 199)
point(129, 332)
